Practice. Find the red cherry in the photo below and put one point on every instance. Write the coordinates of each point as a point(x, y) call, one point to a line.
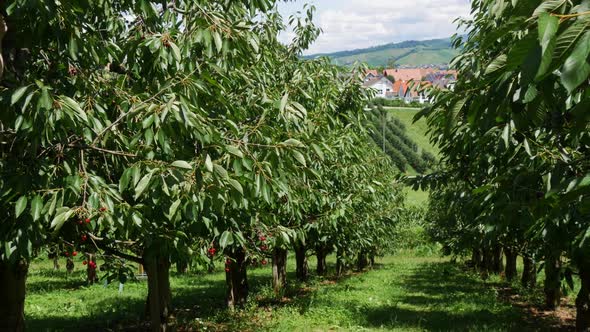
point(263, 247)
point(84, 262)
point(75, 253)
point(228, 261)
point(103, 209)
point(227, 269)
point(80, 222)
point(263, 262)
point(88, 220)
point(67, 254)
point(212, 251)
point(84, 237)
point(262, 238)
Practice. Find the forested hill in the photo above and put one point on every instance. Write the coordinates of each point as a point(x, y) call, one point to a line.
point(413, 53)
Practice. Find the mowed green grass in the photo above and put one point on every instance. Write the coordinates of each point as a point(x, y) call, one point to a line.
point(403, 293)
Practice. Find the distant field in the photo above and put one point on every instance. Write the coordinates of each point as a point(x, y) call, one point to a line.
point(418, 133)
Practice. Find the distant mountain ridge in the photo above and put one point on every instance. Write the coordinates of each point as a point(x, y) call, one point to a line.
point(407, 53)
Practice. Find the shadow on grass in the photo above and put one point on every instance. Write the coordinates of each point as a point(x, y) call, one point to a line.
point(441, 297)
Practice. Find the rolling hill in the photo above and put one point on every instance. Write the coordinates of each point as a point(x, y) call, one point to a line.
point(410, 53)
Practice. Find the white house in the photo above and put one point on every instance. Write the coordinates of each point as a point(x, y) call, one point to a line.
point(382, 85)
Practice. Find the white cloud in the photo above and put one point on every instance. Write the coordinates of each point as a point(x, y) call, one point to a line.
point(351, 24)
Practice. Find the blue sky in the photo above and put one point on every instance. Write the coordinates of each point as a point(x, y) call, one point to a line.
point(351, 24)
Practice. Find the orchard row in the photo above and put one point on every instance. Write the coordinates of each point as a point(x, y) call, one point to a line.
point(515, 176)
point(175, 133)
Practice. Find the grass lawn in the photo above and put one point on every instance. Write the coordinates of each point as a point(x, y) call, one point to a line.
point(403, 293)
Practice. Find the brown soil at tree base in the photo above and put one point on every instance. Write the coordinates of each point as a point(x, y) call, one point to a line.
point(538, 317)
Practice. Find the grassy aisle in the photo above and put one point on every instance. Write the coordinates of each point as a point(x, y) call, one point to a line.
point(403, 293)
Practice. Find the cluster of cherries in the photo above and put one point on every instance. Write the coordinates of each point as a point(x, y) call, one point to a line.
point(91, 264)
point(212, 251)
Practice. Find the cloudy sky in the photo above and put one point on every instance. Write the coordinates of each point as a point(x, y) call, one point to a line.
point(352, 24)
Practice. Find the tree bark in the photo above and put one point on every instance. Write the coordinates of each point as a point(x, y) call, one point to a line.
point(361, 261)
point(476, 258)
point(486, 261)
point(181, 267)
point(321, 254)
point(552, 287)
point(510, 272)
point(339, 262)
point(529, 273)
point(497, 262)
point(583, 300)
point(56, 262)
point(236, 279)
point(12, 289)
point(159, 294)
point(279, 270)
point(302, 269)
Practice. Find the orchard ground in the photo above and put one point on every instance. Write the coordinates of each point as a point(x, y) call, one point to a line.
point(403, 292)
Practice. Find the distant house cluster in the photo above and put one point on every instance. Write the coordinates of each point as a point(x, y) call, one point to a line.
point(409, 84)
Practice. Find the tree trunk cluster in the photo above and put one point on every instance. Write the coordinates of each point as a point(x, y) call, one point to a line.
point(279, 270)
point(236, 278)
point(12, 289)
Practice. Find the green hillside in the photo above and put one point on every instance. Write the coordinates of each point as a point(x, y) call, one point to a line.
point(412, 53)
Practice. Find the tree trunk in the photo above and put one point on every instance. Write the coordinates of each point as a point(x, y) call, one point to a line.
point(529, 273)
point(361, 261)
point(476, 258)
point(339, 262)
point(321, 254)
point(552, 285)
point(236, 278)
point(497, 263)
point(302, 270)
point(510, 270)
point(372, 259)
point(12, 290)
point(159, 294)
point(91, 271)
point(583, 300)
point(181, 267)
point(69, 265)
point(279, 270)
point(56, 262)
point(486, 262)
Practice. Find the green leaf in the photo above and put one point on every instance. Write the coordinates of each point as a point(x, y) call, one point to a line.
point(143, 184)
point(293, 142)
point(220, 171)
point(506, 135)
point(576, 68)
point(236, 185)
point(173, 209)
point(124, 180)
point(73, 48)
point(61, 218)
point(18, 94)
point(181, 164)
point(299, 157)
point(36, 207)
point(208, 163)
point(548, 26)
point(548, 6)
point(226, 239)
point(284, 102)
point(497, 64)
point(72, 104)
point(235, 151)
point(20, 206)
point(217, 40)
point(175, 52)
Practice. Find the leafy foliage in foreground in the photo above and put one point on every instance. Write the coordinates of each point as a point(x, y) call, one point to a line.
point(514, 136)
